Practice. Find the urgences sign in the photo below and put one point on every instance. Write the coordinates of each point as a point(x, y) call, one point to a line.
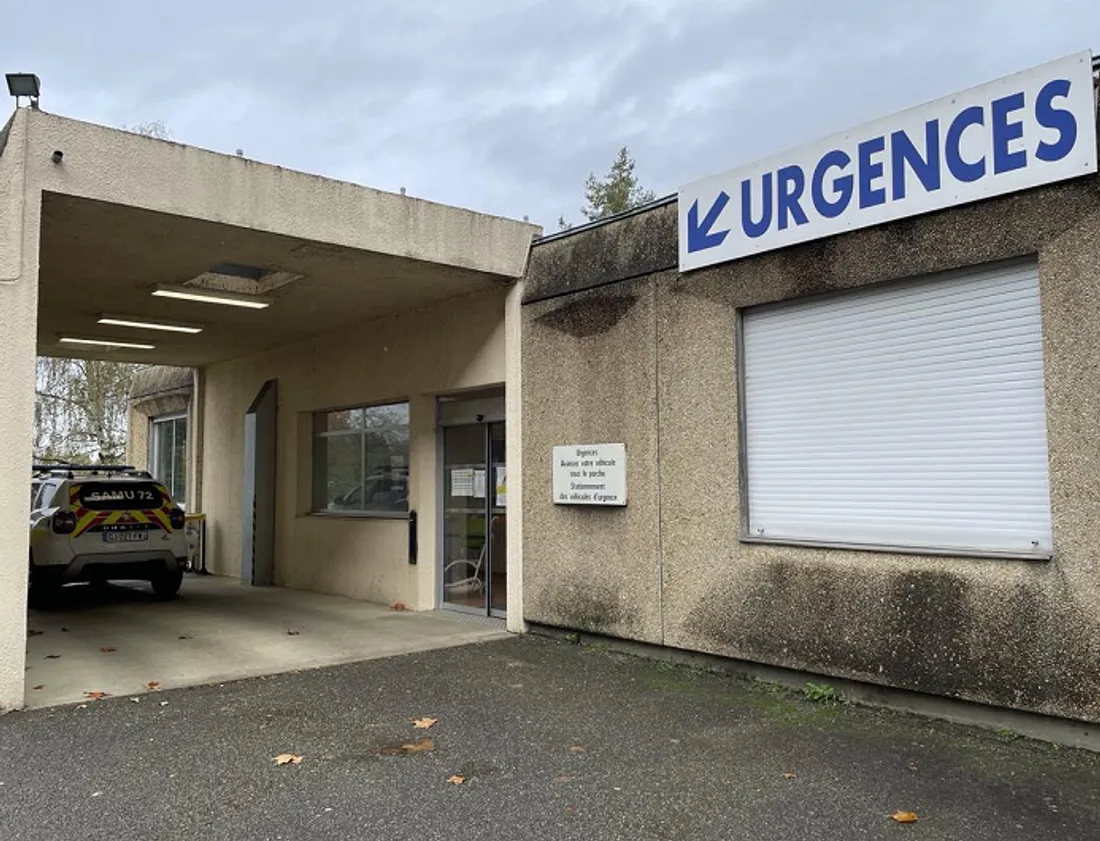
point(1032, 128)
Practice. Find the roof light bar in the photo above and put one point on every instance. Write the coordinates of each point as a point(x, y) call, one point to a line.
point(148, 323)
point(110, 343)
point(212, 296)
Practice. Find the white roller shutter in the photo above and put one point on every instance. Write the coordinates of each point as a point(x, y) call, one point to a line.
point(905, 415)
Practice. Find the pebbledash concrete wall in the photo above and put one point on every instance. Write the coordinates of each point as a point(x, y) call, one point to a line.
point(618, 346)
point(20, 222)
point(456, 345)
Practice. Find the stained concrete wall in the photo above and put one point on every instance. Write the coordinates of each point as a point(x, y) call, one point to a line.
point(20, 222)
point(450, 347)
point(651, 361)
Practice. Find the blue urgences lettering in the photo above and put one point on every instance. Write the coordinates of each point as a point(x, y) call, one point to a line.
point(977, 141)
point(843, 185)
point(1055, 118)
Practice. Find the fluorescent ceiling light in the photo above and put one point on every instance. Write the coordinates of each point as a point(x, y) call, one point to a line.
point(212, 296)
point(148, 323)
point(69, 340)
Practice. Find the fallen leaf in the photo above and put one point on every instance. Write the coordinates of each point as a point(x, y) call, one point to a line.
point(418, 745)
point(152, 685)
point(36, 688)
point(185, 638)
point(287, 759)
point(577, 748)
point(97, 695)
point(399, 606)
point(108, 649)
point(424, 723)
point(53, 656)
point(788, 775)
point(562, 778)
point(905, 817)
point(456, 779)
point(290, 632)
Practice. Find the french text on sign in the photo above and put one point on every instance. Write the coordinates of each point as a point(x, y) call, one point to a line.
point(589, 474)
point(1028, 129)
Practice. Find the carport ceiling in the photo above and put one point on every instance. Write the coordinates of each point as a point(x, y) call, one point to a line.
point(105, 258)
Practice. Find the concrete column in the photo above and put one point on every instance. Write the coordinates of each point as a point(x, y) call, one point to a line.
point(20, 213)
point(513, 447)
point(424, 473)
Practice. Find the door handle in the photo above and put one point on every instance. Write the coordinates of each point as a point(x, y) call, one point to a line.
point(413, 547)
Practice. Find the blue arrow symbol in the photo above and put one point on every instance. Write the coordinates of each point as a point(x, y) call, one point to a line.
point(700, 237)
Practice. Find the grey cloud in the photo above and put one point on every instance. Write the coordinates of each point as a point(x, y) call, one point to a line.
point(506, 106)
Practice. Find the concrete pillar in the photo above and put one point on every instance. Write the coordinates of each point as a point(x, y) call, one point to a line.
point(513, 448)
point(20, 213)
point(424, 470)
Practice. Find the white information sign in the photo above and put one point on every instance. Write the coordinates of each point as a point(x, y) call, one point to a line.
point(462, 482)
point(1031, 128)
point(590, 474)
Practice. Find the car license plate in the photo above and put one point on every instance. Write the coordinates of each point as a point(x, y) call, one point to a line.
point(125, 536)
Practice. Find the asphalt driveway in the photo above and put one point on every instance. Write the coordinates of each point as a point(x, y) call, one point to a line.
point(533, 739)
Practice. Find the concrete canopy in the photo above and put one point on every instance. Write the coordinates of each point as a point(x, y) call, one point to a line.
point(93, 219)
point(121, 213)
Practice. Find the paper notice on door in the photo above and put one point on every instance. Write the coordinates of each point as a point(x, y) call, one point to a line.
point(479, 484)
point(502, 486)
point(462, 482)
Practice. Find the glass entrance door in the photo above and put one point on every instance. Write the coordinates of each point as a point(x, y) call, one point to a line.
point(475, 559)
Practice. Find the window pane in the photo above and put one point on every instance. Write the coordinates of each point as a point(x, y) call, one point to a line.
point(340, 421)
point(361, 471)
point(340, 458)
point(179, 461)
point(162, 452)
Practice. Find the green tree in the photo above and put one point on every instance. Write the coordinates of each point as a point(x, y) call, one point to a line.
point(616, 192)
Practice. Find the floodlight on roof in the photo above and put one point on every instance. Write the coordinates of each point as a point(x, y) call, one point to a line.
point(24, 85)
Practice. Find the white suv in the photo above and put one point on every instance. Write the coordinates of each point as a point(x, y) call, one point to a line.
point(104, 523)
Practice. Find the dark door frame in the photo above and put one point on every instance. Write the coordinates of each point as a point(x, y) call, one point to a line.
point(258, 509)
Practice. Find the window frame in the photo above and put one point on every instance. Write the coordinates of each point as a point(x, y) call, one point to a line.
point(361, 433)
point(154, 453)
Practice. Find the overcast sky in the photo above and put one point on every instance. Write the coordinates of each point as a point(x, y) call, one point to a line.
point(505, 106)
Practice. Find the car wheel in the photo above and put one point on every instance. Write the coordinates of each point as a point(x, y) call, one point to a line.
point(44, 589)
point(167, 584)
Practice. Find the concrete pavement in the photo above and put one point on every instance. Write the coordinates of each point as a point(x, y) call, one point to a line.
point(117, 639)
point(554, 741)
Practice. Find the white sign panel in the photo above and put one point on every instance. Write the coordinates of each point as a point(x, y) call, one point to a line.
point(1032, 128)
point(590, 474)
